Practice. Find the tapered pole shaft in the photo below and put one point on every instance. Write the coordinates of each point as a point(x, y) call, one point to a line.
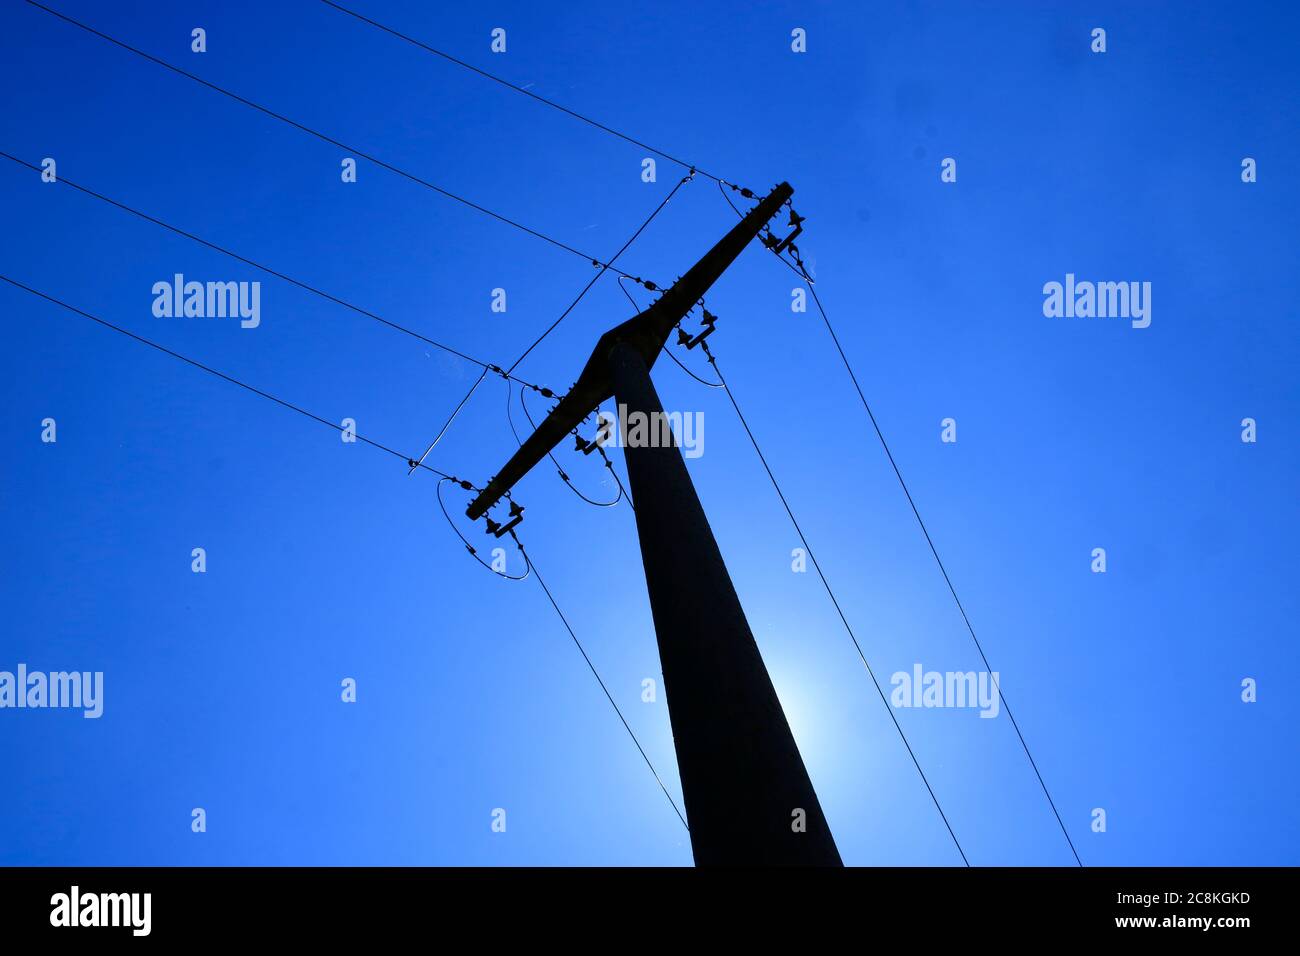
point(748, 797)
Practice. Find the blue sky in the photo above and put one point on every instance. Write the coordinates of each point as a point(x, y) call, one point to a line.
point(326, 561)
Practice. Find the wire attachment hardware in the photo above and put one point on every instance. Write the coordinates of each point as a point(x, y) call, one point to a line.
point(710, 325)
point(779, 246)
point(516, 516)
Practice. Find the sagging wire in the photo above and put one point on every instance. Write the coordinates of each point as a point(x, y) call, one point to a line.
point(681, 366)
point(516, 511)
point(628, 294)
point(682, 338)
point(583, 446)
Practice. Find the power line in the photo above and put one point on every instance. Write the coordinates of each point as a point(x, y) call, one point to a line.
point(518, 89)
point(443, 476)
point(602, 266)
point(531, 569)
point(605, 267)
point(551, 454)
point(797, 270)
point(798, 267)
point(667, 351)
point(221, 375)
point(537, 234)
point(487, 366)
point(473, 552)
point(332, 141)
point(722, 383)
point(608, 695)
point(835, 601)
point(935, 551)
point(588, 288)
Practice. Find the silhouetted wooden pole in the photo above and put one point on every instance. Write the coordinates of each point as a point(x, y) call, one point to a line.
point(748, 797)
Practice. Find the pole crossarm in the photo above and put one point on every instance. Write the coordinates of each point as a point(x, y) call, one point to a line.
point(646, 332)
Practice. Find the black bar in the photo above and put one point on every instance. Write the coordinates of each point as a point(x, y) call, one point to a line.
point(912, 908)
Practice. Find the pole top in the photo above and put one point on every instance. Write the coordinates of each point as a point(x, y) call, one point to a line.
point(646, 331)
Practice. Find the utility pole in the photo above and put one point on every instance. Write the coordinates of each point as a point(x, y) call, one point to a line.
point(748, 797)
